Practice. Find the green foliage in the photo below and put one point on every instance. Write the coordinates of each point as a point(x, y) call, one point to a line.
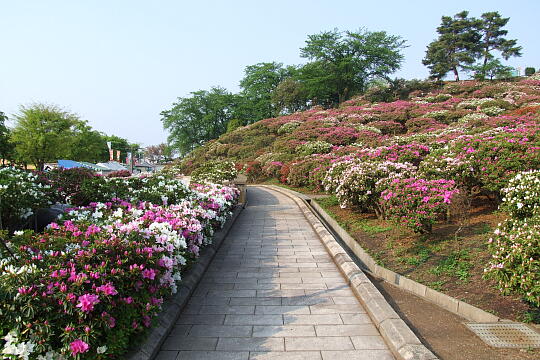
point(43, 133)
point(398, 89)
point(492, 69)
point(342, 63)
point(457, 264)
point(529, 71)
point(202, 116)
point(259, 82)
point(215, 172)
point(288, 128)
point(88, 145)
point(456, 46)
point(20, 196)
point(234, 124)
point(514, 264)
point(65, 185)
point(491, 30)
point(289, 96)
point(6, 147)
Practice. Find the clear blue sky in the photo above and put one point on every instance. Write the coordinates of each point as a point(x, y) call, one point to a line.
point(118, 64)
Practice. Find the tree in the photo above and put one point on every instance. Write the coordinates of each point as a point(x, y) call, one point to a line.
point(88, 144)
point(200, 117)
point(43, 133)
point(6, 147)
point(289, 96)
point(258, 83)
point(493, 69)
point(342, 63)
point(492, 38)
point(159, 153)
point(456, 47)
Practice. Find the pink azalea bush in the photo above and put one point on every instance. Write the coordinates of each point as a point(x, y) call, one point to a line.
point(91, 282)
point(417, 203)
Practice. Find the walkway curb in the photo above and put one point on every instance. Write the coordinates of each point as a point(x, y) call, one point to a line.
point(172, 308)
point(403, 343)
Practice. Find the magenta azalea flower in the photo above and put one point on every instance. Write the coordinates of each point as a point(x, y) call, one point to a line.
point(87, 302)
point(78, 347)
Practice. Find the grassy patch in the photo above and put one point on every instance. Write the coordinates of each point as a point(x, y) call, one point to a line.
point(456, 265)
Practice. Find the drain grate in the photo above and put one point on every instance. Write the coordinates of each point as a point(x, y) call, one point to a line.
point(506, 335)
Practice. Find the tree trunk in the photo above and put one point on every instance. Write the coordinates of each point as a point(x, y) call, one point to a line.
point(456, 74)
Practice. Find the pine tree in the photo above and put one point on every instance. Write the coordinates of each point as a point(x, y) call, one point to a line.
point(492, 33)
point(456, 47)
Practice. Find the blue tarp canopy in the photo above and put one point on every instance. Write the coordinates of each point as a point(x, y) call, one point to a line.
point(69, 164)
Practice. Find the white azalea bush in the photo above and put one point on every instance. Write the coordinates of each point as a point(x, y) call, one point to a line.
point(20, 195)
point(217, 171)
point(515, 246)
point(358, 182)
point(314, 147)
point(515, 262)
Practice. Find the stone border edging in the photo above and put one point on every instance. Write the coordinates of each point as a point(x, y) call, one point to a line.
point(172, 307)
point(403, 343)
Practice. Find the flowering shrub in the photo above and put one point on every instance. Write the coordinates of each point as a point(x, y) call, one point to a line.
point(20, 195)
point(522, 195)
point(120, 173)
point(216, 171)
point(493, 110)
point(66, 184)
point(515, 262)
point(417, 203)
point(158, 189)
point(288, 127)
point(360, 183)
point(272, 169)
point(87, 285)
point(314, 147)
point(253, 170)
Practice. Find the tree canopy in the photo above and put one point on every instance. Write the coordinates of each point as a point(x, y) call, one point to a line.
point(200, 117)
point(43, 133)
point(6, 147)
point(258, 84)
point(463, 40)
point(343, 63)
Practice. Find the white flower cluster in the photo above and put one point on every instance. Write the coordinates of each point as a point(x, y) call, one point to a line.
point(314, 147)
point(288, 128)
point(473, 103)
point(493, 110)
point(522, 195)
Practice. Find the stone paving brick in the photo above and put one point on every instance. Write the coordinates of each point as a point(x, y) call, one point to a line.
point(282, 309)
point(283, 331)
point(296, 355)
point(189, 343)
point(346, 330)
point(213, 355)
point(254, 320)
point(318, 343)
point(220, 331)
point(251, 344)
point(312, 319)
point(167, 355)
point(273, 292)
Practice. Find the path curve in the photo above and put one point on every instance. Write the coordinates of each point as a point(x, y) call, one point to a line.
point(273, 292)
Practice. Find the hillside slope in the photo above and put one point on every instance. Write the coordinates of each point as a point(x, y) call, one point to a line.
point(422, 183)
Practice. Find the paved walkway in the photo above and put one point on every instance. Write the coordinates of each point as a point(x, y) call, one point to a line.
point(272, 292)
